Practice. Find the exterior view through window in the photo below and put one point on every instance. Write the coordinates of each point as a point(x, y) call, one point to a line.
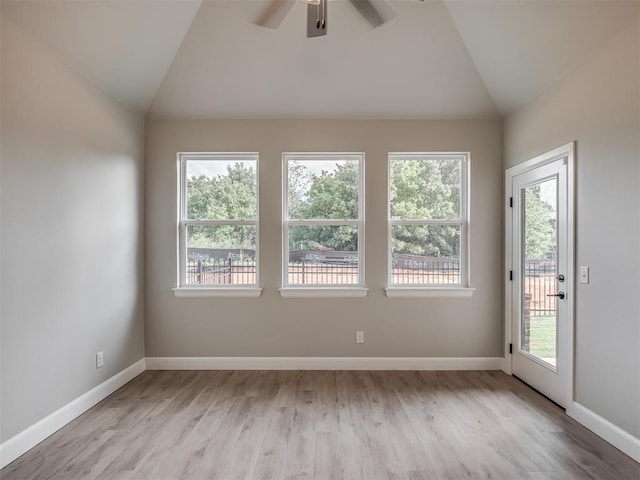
point(539, 206)
point(218, 219)
point(427, 219)
point(323, 219)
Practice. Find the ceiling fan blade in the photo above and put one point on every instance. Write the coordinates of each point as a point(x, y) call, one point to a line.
point(272, 16)
point(376, 15)
point(317, 19)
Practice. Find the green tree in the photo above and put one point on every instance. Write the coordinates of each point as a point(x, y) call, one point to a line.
point(328, 195)
point(298, 182)
point(223, 197)
point(420, 189)
point(540, 224)
point(426, 189)
point(333, 195)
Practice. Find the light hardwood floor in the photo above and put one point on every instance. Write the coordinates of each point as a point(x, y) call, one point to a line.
point(324, 425)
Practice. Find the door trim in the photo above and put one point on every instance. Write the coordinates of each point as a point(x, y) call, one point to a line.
point(565, 151)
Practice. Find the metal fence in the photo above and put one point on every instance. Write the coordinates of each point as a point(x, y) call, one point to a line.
point(327, 267)
point(217, 271)
point(311, 267)
point(418, 270)
point(539, 283)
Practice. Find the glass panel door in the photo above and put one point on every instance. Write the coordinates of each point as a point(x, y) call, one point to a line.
point(541, 327)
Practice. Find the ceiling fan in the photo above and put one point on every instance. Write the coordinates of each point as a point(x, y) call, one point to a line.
point(375, 11)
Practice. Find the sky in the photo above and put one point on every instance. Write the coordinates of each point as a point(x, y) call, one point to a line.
point(548, 192)
point(318, 166)
point(213, 168)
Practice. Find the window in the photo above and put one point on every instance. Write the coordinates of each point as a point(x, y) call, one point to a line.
point(218, 223)
point(323, 216)
point(428, 218)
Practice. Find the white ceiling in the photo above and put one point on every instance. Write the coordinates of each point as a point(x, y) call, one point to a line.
point(435, 59)
point(414, 66)
point(124, 47)
point(522, 47)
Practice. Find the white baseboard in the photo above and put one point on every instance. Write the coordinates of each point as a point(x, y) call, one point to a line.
point(36, 433)
point(324, 363)
point(613, 434)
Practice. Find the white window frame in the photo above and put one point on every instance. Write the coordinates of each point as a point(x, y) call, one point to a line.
point(426, 290)
point(322, 290)
point(218, 290)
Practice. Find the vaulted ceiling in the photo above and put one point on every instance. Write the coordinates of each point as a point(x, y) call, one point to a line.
point(435, 59)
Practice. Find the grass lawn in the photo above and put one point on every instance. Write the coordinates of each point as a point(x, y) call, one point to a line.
point(543, 337)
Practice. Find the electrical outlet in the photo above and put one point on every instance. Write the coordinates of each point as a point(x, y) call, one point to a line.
point(359, 336)
point(584, 274)
point(99, 359)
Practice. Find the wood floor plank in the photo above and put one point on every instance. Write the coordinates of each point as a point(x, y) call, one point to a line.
point(301, 445)
point(352, 425)
point(245, 452)
point(325, 458)
point(219, 441)
point(359, 455)
point(271, 460)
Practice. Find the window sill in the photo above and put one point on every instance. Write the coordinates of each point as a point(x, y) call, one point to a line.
point(323, 292)
point(215, 292)
point(429, 292)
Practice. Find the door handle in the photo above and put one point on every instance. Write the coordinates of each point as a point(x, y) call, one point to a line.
point(559, 294)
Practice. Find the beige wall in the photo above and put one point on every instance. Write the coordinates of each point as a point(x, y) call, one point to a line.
point(273, 326)
point(598, 106)
point(71, 205)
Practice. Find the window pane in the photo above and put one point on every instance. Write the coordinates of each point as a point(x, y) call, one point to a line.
point(426, 189)
point(323, 255)
point(221, 190)
point(425, 254)
point(538, 319)
point(320, 189)
point(221, 254)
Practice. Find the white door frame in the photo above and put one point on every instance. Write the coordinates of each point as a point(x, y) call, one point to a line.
point(566, 151)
